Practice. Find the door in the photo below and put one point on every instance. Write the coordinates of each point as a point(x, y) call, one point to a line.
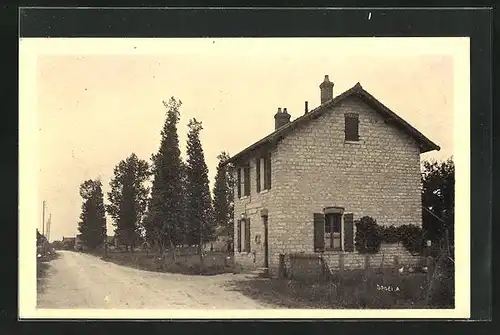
point(266, 249)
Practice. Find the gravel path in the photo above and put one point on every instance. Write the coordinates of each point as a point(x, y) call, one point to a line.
point(77, 280)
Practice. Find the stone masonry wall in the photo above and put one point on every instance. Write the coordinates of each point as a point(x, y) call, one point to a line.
point(252, 205)
point(313, 167)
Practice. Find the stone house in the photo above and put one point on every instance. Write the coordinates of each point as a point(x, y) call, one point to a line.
point(300, 189)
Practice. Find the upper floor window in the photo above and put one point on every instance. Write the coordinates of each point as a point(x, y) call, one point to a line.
point(238, 182)
point(246, 181)
point(351, 127)
point(263, 172)
point(243, 183)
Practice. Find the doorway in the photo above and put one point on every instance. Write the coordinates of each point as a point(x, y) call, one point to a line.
point(266, 248)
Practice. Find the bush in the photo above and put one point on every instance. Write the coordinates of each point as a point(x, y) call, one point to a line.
point(367, 239)
point(369, 236)
point(389, 234)
point(411, 237)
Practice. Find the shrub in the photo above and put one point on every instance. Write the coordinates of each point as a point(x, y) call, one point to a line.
point(389, 234)
point(367, 238)
point(411, 237)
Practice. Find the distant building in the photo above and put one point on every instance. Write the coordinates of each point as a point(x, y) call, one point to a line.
point(68, 242)
point(221, 241)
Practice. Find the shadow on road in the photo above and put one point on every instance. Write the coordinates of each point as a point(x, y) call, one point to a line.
point(274, 292)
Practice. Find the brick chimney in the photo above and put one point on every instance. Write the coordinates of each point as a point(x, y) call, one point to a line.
point(281, 118)
point(326, 90)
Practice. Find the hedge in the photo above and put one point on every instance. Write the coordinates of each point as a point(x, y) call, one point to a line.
point(369, 236)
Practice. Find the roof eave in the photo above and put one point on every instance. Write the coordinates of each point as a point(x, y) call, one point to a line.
point(429, 147)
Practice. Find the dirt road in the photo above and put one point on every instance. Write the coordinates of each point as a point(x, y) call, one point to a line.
point(77, 280)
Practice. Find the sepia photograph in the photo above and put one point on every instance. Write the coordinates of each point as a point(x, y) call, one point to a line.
point(244, 177)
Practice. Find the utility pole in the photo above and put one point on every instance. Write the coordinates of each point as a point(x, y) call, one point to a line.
point(43, 219)
point(48, 226)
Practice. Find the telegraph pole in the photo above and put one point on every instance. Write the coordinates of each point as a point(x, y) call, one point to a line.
point(48, 226)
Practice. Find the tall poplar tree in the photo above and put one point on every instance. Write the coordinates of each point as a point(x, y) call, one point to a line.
point(165, 218)
point(199, 204)
point(127, 199)
point(223, 196)
point(92, 225)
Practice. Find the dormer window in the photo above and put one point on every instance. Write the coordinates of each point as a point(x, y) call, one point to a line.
point(351, 127)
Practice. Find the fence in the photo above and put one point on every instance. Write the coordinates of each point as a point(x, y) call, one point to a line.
point(431, 281)
point(313, 267)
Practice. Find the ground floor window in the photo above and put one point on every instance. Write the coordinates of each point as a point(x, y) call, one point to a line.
point(243, 235)
point(333, 230)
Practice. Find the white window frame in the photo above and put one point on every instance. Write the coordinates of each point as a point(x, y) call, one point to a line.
point(335, 211)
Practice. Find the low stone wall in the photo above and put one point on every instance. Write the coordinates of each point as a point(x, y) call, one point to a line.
point(317, 265)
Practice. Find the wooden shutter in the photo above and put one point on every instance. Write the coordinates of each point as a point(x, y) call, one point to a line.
point(348, 232)
point(239, 183)
point(351, 127)
point(319, 232)
point(257, 173)
point(247, 235)
point(238, 235)
point(246, 182)
point(268, 171)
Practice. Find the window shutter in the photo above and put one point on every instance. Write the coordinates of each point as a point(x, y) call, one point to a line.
point(238, 235)
point(247, 180)
point(356, 129)
point(239, 183)
point(348, 232)
point(257, 173)
point(268, 171)
point(319, 232)
point(247, 235)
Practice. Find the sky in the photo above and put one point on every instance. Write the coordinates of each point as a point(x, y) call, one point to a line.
point(99, 101)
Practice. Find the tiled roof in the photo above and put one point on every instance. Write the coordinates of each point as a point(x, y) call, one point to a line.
point(388, 115)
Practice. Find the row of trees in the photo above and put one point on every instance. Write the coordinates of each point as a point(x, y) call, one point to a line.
point(178, 208)
point(175, 209)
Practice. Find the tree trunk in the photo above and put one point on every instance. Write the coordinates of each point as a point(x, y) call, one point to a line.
point(200, 246)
